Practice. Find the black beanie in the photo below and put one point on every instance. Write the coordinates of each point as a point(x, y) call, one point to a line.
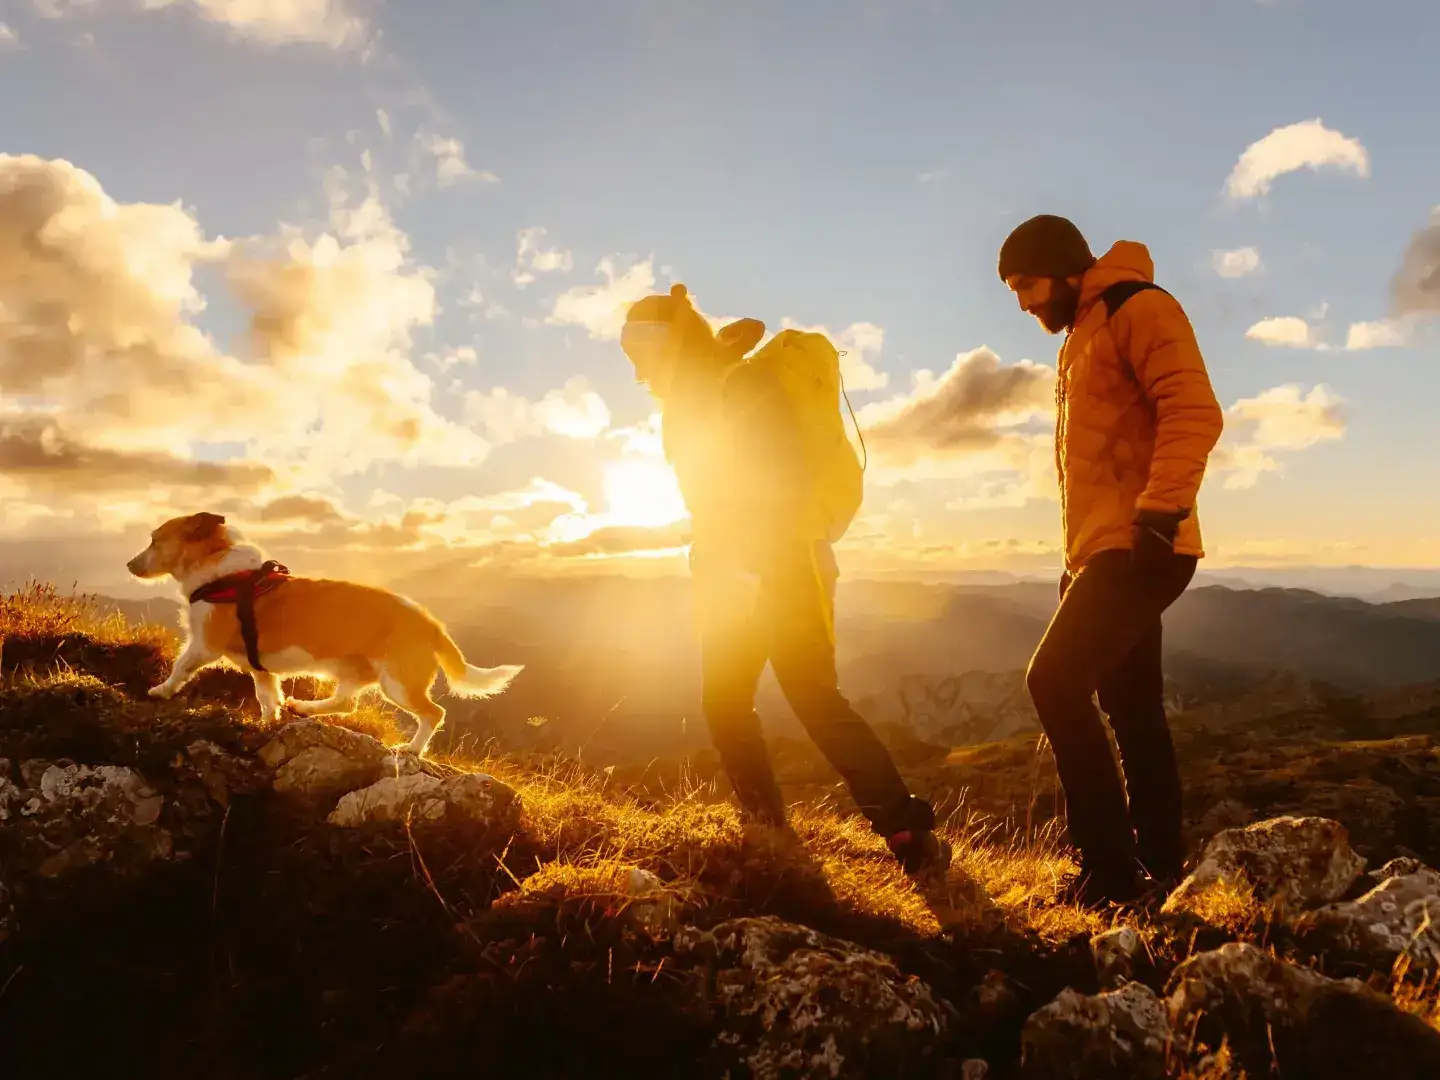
point(662, 307)
point(1045, 246)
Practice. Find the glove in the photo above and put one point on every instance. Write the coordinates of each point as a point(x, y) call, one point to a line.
point(1152, 549)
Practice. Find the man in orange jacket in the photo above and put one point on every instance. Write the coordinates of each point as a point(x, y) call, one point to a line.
point(1136, 422)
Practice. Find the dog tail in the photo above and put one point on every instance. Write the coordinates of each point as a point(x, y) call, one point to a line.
point(467, 680)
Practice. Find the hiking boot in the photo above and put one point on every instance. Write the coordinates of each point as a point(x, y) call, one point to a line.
point(921, 852)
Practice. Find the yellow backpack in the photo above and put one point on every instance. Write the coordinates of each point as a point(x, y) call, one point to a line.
point(806, 367)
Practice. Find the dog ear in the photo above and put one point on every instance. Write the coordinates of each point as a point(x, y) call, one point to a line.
point(203, 526)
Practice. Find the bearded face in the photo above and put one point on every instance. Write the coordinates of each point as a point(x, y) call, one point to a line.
point(1053, 301)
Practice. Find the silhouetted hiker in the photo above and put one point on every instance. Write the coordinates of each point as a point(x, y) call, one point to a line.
point(771, 481)
point(1136, 421)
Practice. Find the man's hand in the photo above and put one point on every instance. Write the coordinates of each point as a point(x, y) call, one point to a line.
point(1153, 541)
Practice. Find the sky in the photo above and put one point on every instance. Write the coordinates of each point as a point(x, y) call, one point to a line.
point(352, 271)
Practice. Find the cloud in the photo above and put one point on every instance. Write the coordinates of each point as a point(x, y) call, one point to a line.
point(455, 357)
point(532, 260)
point(966, 409)
point(861, 345)
point(9, 39)
point(1283, 419)
point(601, 309)
point(36, 449)
point(330, 23)
point(1375, 335)
point(1241, 262)
point(447, 156)
point(1415, 288)
point(625, 539)
point(574, 411)
point(98, 310)
point(1306, 145)
point(1288, 331)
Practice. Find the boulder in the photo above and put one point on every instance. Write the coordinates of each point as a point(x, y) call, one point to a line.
point(1398, 917)
point(63, 816)
point(420, 797)
point(1278, 1016)
point(652, 906)
point(313, 757)
point(1118, 953)
point(791, 1002)
point(1122, 1034)
point(218, 771)
point(1290, 862)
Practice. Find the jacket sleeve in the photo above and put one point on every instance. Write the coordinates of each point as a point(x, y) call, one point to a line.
point(1154, 333)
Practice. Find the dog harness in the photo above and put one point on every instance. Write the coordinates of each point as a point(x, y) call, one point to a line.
point(241, 590)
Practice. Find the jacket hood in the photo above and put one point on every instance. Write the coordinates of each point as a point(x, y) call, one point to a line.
point(1127, 260)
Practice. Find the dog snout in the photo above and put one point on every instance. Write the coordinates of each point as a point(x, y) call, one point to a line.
point(136, 565)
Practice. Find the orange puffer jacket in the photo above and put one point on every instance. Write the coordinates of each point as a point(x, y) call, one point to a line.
point(1128, 441)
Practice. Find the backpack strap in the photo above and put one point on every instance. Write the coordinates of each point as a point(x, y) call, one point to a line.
point(1115, 297)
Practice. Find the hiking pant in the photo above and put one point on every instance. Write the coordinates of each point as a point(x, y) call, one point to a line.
point(785, 615)
point(1105, 637)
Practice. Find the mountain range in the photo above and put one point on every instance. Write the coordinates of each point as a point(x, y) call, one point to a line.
point(613, 666)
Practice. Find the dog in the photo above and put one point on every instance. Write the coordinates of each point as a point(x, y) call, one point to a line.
point(354, 634)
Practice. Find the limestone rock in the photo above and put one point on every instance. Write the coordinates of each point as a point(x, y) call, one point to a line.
point(652, 907)
point(1399, 917)
point(67, 815)
point(220, 772)
point(794, 1003)
point(1118, 953)
point(313, 757)
point(420, 797)
point(1293, 862)
point(1122, 1033)
point(1276, 1014)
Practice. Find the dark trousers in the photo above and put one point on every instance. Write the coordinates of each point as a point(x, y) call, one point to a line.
point(1105, 637)
point(785, 615)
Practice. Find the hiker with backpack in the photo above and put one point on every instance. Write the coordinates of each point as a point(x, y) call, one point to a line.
point(771, 481)
point(1136, 422)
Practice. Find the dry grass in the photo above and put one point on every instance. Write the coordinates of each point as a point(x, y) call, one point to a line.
point(39, 610)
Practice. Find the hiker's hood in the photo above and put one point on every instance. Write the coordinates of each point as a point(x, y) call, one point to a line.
point(1127, 260)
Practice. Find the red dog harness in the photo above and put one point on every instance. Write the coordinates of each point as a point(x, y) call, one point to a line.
point(241, 590)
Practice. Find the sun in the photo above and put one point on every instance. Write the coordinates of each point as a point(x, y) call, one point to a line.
point(642, 492)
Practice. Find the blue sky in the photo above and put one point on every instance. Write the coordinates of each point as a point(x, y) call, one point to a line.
point(838, 163)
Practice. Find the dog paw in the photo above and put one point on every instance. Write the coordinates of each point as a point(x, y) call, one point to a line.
point(163, 691)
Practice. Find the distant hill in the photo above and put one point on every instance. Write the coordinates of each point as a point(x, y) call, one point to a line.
point(613, 662)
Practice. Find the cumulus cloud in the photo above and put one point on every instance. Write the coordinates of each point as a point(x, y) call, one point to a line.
point(330, 23)
point(446, 156)
point(601, 309)
point(1415, 289)
point(98, 309)
point(1288, 331)
point(1306, 145)
point(1383, 334)
point(36, 449)
point(573, 411)
point(531, 259)
point(1237, 263)
point(860, 345)
point(1283, 419)
point(968, 408)
point(625, 539)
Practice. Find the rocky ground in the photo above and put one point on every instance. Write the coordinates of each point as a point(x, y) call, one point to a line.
point(184, 892)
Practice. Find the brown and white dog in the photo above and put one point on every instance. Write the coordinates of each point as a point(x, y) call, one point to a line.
point(354, 634)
